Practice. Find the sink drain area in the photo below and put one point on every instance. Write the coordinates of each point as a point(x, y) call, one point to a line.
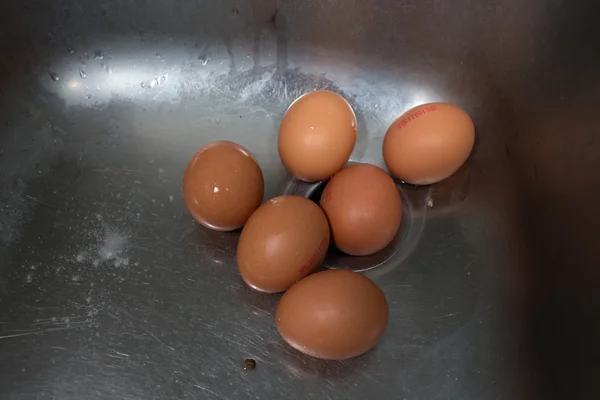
point(399, 248)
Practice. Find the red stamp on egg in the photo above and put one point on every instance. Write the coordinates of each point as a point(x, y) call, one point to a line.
point(415, 115)
point(316, 255)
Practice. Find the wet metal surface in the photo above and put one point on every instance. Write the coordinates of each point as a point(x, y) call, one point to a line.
point(108, 289)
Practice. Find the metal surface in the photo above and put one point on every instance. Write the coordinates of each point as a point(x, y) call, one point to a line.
point(109, 290)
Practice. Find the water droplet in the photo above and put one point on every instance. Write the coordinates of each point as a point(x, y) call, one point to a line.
point(148, 84)
point(106, 67)
point(157, 55)
point(158, 80)
point(82, 74)
point(204, 59)
point(71, 50)
point(54, 76)
point(88, 96)
point(98, 55)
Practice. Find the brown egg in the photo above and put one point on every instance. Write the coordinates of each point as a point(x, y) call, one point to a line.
point(334, 315)
point(222, 186)
point(317, 135)
point(282, 242)
point(364, 209)
point(428, 143)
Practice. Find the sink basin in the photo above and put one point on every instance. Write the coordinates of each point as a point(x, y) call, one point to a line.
point(109, 289)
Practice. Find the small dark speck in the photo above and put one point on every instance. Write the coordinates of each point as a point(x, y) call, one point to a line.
point(1, 153)
point(235, 11)
point(240, 116)
point(273, 19)
point(249, 363)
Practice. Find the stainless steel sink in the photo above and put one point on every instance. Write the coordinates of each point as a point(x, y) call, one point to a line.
point(108, 289)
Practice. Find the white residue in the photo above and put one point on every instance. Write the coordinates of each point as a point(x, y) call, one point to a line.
point(112, 247)
point(121, 262)
point(108, 247)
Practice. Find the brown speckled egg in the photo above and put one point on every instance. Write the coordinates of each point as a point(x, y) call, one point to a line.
point(364, 208)
point(222, 186)
point(282, 242)
point(333, 315)
point(428, 143)
point(317, 135)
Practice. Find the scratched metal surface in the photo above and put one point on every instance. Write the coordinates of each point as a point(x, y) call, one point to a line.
point(108, 289)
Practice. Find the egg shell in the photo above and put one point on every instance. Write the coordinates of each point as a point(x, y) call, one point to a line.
point(364, 209)
point(222, 186)
point(334, 315)
point(317, 135)
point(428, 143)
point(282, 242)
